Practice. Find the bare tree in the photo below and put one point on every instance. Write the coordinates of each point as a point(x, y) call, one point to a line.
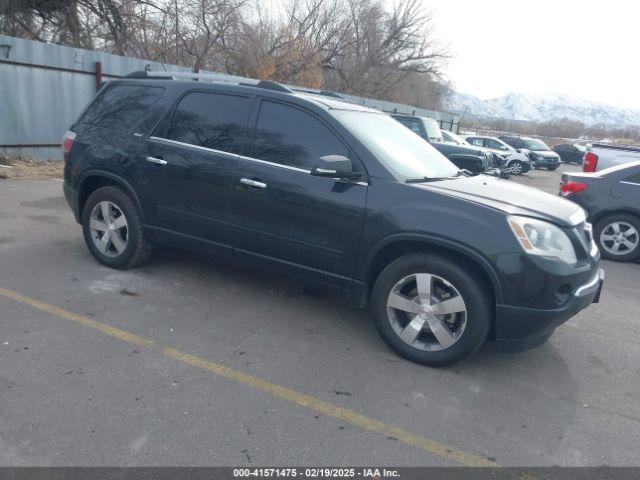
point(351, 46)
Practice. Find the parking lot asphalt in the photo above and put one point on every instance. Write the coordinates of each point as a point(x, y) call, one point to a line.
point(188, 361)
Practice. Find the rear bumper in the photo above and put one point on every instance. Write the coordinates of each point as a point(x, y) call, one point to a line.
point(72, 199)
point(521, 328)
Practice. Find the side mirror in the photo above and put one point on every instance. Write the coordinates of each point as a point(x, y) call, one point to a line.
point(334, 166)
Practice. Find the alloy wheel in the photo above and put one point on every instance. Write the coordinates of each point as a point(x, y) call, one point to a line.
point(619, 238)
point(109, 228)
point(427, 312)
point(517, 168)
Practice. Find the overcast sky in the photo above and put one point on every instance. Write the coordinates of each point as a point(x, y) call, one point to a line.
point(589, 49)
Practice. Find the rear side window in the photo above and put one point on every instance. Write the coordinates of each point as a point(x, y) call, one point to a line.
point(119, 107)
point(289, 136)
point(475, 141)
point(210, 120)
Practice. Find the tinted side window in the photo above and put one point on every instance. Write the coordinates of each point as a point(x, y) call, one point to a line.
point(119, 107)
point(514, 142)
point(475, 141)
point(491, 143)
point(289, 136)
point(210, 120)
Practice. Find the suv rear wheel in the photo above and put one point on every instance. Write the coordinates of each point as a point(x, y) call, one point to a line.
point(430, 310)
point(113, 229)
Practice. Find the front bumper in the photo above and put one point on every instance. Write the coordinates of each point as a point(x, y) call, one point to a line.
point(546, 162)
point(522, 328)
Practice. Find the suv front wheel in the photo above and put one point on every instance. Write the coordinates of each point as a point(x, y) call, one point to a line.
point(430, 310)
point(112, 229)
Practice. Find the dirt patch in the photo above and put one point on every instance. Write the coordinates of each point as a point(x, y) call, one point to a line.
point(18, 168)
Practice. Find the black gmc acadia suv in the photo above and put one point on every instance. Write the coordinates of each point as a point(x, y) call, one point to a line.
point(333, 193)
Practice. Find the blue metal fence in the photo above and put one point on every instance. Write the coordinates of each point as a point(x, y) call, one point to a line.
point(44, 87)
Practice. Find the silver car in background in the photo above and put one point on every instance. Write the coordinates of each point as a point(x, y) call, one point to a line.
point(517, 162)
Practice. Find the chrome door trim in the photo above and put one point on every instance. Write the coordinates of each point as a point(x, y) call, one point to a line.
point(241, 157)
point(273, 164)
point(190, 145)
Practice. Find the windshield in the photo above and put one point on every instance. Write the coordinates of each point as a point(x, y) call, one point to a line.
point(456, 138)
point(404, 153)
point(536, 145)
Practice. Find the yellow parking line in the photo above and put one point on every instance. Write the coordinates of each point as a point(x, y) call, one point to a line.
point(293, 396)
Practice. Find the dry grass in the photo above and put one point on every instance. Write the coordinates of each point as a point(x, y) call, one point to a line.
point(18, 168)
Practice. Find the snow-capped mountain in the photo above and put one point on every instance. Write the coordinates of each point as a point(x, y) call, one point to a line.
point(542, 108)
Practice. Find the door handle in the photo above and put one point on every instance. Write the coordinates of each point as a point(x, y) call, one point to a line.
point(252, 183)
point(157, 161)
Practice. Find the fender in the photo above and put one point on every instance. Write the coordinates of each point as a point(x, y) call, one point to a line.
point(117, 179)
point(612, 211)
point(439, 241)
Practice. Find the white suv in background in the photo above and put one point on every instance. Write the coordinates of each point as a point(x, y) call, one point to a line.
point(519, 163)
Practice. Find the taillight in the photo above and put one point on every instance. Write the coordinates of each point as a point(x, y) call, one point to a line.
point(67, 141)
point(571, 187)
point(589, 162)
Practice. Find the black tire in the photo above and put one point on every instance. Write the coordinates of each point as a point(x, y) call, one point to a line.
point(475, 296)
point(136, 249)
point(608, 220)
point(551, 169)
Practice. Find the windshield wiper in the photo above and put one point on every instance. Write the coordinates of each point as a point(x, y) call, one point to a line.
point(426, 179)
point(461, 173)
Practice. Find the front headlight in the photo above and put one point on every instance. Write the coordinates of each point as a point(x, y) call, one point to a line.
point(541, 238)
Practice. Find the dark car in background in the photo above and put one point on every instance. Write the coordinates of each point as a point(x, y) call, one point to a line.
point(463, 156)
point(570, 152)
point(611, 198)
point(539, 152)
point(330, 193)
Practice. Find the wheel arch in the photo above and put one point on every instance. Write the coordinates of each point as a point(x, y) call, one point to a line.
point(93, 180)
point(396, 246)
point(597, 217)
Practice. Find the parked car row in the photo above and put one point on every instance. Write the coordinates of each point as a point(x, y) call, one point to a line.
point(611, 196)
point(462, 155)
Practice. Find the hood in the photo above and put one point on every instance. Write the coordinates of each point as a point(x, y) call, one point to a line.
point(509, 197)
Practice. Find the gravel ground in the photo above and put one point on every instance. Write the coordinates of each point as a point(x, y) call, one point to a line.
point(186, 361)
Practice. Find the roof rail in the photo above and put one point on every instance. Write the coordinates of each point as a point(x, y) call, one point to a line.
point(219, 78)
point(268, 84)
point(326, 93)
point(195, 76)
